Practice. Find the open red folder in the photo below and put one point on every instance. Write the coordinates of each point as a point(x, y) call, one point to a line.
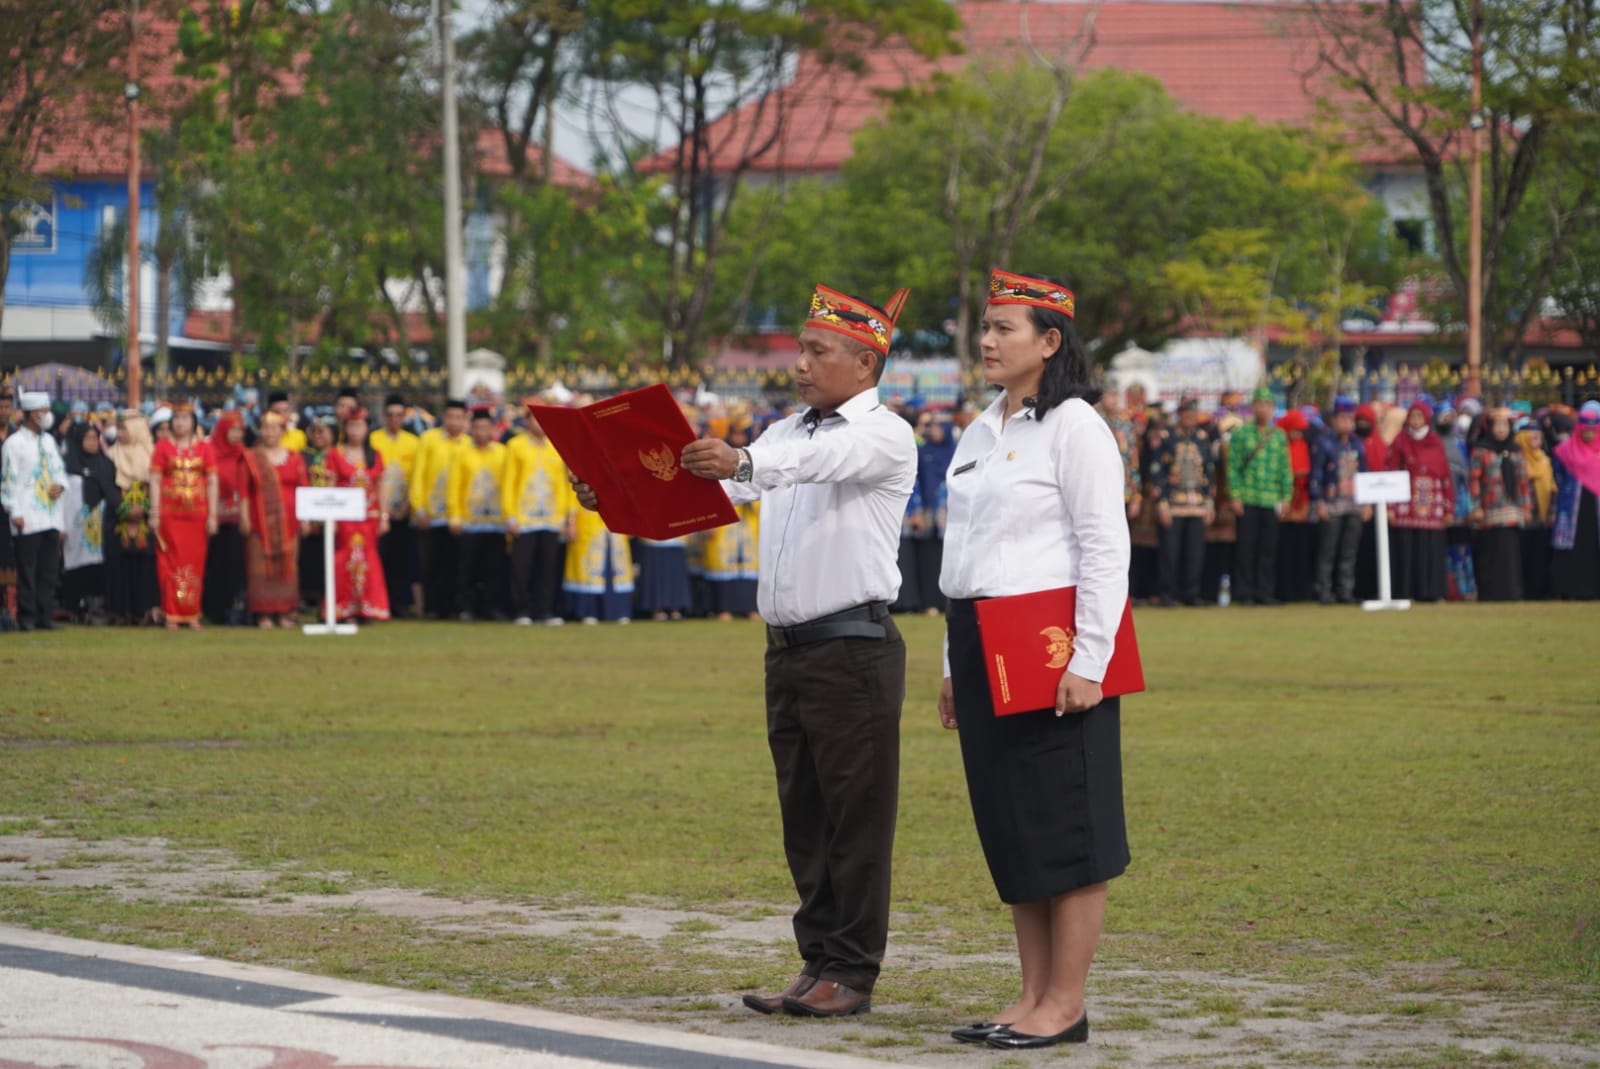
point(627, 448)
point(1027, 642)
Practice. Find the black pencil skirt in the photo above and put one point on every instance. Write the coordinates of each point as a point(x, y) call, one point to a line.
point(1046, 791)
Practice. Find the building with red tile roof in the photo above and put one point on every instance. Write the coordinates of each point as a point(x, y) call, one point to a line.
point(1229, 60)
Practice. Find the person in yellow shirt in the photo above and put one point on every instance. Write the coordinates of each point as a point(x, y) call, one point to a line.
point(730, 564)
point(430, 475)
point(397, 549)
point(294, 439)
point(478, 521)
point(539, 505)
point(599, 576)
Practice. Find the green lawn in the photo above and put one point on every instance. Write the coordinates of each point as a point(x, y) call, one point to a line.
point(1304, 786)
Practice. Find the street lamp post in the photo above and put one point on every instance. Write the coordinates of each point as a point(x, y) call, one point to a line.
point(1474, 383)
point(455, 282)
point(130, 93)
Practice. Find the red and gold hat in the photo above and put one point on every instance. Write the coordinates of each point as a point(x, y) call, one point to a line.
point(1008, 288)
point(856, 319)
point(182, 408)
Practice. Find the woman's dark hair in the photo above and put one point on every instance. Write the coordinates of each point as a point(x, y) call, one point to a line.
point(1069, 372)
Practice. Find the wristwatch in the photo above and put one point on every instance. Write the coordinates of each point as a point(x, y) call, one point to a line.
point(743, 470)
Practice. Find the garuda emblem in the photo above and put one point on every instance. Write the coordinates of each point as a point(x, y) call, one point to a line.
point(1059, 646)
point(662, 462)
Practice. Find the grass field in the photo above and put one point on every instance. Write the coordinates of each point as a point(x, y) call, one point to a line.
point(1314, 797)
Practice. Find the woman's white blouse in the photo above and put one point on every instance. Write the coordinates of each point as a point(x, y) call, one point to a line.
point(1037, 505)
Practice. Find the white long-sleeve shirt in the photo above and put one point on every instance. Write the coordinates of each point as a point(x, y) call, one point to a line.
point(1037, 505)
point(32, 465)
point(832, 499)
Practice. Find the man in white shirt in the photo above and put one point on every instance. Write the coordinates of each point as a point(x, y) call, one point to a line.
point(833, 484)
point(31, 484)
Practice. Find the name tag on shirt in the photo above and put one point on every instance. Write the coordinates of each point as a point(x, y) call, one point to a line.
point(968, 466)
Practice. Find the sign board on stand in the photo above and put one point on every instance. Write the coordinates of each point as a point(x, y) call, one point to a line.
point(1383, 488)
point(329, 505)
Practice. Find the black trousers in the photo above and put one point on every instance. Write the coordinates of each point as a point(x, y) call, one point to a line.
point(1255, 560)
point(441, 568)
point(481, 580)
point(1338, 542)
point(930, 562)
point(1183, 555)
point(1418, 559)
point(537, 558)
point(1497, 563)
point(38, 576)
point(833, 725)
point(398, 550)
point(224, 589)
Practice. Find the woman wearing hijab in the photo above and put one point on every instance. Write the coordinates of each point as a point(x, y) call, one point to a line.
point(91, 499)
point(133, 592)
point(1500, 503)
point(1575, 564)
point(272, 542)
point(183, 509)
point(1536, 532)
point(225, 554)
point(1418, 526)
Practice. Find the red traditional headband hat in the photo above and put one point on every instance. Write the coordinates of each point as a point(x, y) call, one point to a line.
point(1008, 288)
point(855, 318)
point(182, 408)
point(358, 413)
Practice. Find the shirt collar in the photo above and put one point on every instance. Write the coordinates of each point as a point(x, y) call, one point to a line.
point(994, 414)
point(858, 406)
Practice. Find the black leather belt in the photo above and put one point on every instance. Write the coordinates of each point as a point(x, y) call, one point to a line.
point(859, 622)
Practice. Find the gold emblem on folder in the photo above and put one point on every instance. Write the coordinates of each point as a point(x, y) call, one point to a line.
point(662, 462)
point(1059, 646)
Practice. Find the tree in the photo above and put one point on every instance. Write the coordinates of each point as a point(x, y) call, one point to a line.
point(1411, 65)
point(1134, 182)
point(519, 64)
point(237, 57)
point(55, 55)
point(700, 63)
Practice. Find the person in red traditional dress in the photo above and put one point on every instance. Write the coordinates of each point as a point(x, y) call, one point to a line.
point(272, 549)
point(183, 512)
point(358, 584)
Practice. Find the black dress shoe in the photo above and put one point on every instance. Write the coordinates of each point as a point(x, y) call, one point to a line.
point(976, 1033)
point(1006, 1039)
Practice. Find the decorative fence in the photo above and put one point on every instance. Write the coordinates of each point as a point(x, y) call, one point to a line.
point(1538, 385)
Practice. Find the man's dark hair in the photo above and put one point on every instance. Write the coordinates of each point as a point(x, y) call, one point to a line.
point(455, 402)
point(350, 392)
point(277, 397)
point(1069, 372)
point(394, 399)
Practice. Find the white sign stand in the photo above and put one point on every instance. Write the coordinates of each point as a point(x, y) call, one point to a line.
point(329, 505)
point(1384, 488)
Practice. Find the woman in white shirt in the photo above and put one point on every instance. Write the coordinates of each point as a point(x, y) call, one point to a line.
point(1035, 503)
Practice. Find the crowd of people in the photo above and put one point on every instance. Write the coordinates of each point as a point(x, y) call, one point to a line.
point(1259, 507)
point(159, 516)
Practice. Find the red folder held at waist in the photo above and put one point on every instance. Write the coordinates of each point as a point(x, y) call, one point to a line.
point(628, 448)
point(1028, 640)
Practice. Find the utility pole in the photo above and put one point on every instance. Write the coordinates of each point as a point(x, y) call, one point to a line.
point(1474, 383)
point(455, 272)
point(130, 93)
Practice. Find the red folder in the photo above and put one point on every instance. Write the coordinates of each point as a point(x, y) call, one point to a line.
point(1027, 642)
point(628, 448)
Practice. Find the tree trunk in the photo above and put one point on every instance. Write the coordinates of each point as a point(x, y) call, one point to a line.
point(163, 325)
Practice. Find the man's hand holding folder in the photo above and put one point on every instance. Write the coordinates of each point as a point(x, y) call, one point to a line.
point(626, 457)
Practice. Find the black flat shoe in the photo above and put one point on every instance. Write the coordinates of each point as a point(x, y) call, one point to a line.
point(976, 1033)
point(1006, 1039)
